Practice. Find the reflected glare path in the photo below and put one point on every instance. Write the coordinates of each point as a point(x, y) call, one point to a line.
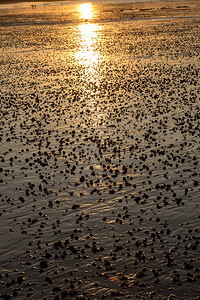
point(88, 55)
point(89, 59)
point(86, 11)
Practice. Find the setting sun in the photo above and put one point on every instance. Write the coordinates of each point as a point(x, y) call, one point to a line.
point(86, 11)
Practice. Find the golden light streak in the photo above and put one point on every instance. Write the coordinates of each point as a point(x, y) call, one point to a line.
point(89, 59)
point(86, 11)
point(88, 54)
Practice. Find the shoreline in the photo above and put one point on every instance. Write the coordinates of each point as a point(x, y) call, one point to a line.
point(107, 11)
point(11, 2)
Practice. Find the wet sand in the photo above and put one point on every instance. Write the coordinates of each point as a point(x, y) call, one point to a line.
point(99, 172)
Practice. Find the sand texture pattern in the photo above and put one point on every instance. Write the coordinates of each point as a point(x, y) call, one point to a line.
point(99, 155)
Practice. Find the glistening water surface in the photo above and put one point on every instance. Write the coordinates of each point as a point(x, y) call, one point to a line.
point(100, 152)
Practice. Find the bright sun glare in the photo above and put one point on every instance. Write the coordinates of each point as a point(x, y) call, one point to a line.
point(86, 11)
point(88, 54)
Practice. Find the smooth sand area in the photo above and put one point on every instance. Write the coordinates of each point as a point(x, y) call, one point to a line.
point(99, 154)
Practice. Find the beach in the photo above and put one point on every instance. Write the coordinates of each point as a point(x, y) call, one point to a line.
point(100, 152)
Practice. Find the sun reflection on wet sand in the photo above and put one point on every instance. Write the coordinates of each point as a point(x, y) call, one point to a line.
point(86, 11)
point(88, 54)
point(89, 59)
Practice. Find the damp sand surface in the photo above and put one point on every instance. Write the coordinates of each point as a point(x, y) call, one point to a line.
point(99, 156)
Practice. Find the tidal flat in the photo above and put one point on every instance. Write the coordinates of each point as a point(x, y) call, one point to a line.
point(100, 151)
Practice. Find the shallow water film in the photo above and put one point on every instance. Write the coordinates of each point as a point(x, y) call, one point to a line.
point(99, 156)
